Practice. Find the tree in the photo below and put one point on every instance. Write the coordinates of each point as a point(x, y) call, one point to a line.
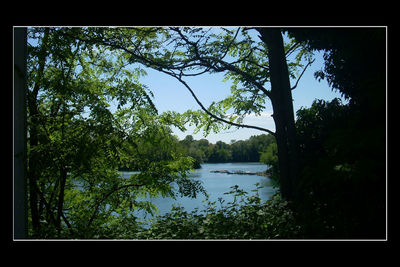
point(76, 143)
point(343, 155)
point(191, 148)
point(281, 98)
point(250, 64)
point(270, 157)
point(241, 151)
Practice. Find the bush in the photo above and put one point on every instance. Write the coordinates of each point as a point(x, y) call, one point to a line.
point(248, 218)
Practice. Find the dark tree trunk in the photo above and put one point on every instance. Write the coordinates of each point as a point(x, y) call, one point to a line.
point(63, 179)
point(32, 164)
point(282, 103)
point(32, 172)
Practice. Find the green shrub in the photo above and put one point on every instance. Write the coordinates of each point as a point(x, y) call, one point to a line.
point(246, 217)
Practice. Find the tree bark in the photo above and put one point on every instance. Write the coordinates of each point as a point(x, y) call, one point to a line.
point(32, 164)
point(281, 98)
point(63, 177)
point(60, 205)
point(32, 172)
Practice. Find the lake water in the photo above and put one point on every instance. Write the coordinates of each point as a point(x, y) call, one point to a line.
point(216, 184)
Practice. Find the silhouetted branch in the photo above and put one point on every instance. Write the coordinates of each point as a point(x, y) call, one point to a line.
point(248, 77)
point(207, 62)
point(203, 61)
point(291, 49)
point(218, 118)
point(298, 79)
point(230, 43)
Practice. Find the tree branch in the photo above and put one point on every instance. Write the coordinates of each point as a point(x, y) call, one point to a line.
point(106, 196)
point(291, 49)
point(206, 62)
point(251, 79)
point(230, 43)
point(203, 62)
point(218, 118)
point(298, 79)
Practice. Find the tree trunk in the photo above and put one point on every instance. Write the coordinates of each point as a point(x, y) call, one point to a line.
point(32, 172)
point(281, 98)
point(63, 179)
point(32, 164)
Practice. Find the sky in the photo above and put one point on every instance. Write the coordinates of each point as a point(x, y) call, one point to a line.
point(170, 94)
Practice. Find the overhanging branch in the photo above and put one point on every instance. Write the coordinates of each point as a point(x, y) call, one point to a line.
point(216, 117)
point(203, 62)
point(298, 79)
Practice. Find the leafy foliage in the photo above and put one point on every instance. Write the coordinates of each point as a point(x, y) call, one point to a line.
point(76, 143)
point(270, 157)
point(246, 217)
point(191, 51)
point(338, 171)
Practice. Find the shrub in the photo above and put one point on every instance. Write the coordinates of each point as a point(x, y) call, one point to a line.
point(246, 217)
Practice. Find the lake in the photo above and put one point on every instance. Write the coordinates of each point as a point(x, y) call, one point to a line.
point(216, 184)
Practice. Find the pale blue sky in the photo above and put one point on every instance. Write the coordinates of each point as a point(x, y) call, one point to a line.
point(170, 94)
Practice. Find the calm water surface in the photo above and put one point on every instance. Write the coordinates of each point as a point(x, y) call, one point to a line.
point(216, 184)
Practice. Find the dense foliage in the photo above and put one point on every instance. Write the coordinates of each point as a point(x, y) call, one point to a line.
point(245, 217)
point(251, 219)
point(76, 143)
point(342, 147)
point(237, 151)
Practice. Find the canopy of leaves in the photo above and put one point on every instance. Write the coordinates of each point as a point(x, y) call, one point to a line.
point(191, 51)
point(77, 142)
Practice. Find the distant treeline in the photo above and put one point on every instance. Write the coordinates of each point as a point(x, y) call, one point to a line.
point(258, 148)
point(203, 151)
